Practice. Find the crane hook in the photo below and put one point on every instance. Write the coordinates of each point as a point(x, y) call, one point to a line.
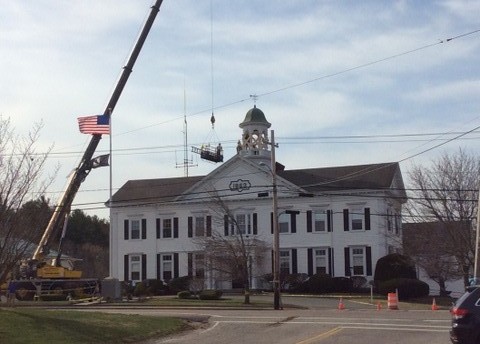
point(212, 120)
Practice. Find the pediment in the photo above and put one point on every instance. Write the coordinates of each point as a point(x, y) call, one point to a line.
point(237, 179)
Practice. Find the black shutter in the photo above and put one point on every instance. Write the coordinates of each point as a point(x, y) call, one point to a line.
point(294, 261)
point(144, 267)
point(190, 226)
point(158, 228)
point(347, 261)
point(225, 225)
point(255, 223)
point(329, 221)
point(144, 228)
point(293, 220)
point(310, 261)
point(209, 225)
point(346, 225)
point(367, 219)
point(271, 222)
point(175, 265)
point(331, 262)
point(159, 276)
point(368, 254)
point(126, 261)
point(309, 221)
point(125, 229)
point(190, 264)
point(175, 227)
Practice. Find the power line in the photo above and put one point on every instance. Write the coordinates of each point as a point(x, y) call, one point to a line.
point(282, 140)
point(327, 76)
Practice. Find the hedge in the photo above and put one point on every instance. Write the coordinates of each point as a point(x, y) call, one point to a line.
point(210, 294)
point(407, 288)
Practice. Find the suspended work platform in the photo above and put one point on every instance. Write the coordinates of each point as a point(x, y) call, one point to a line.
point(210, 153)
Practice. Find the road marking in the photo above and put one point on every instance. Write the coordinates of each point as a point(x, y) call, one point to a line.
point(344, 325)
point(211, 328)
point(415, 329)
point(320, 336)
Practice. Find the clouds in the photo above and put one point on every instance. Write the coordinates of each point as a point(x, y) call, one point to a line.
point(320, 68)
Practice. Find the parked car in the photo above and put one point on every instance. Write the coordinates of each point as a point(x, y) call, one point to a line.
point(466, 318)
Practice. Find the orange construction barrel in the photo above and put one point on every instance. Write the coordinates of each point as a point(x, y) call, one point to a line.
point(392, 301)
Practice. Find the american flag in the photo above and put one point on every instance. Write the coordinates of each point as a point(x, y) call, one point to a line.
point(99, 124)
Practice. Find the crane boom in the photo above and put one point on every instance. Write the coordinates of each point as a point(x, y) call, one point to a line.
point(64, 204)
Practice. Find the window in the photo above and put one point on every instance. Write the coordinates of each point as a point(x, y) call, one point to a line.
point(167, 267)
point(284, 262)
point(284, 223)
point(167, 228)
point(357, 219)
point(389, 220)
point(358, 261)
point(135, 229)
point(135, 267)
point(320, 220)
point(398, 223)
point(199, 226)
point(321, 261)
point(240, 223)
point(244, 223)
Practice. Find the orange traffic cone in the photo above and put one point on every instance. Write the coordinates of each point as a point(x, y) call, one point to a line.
point(379, 306)
point(341, 306)
point(434, 305)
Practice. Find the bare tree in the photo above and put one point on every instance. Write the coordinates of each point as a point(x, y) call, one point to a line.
point(21, 179)
point(425, 243)
point(232, 256)
point(447, 192)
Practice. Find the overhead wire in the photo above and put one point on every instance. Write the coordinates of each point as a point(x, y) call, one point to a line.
point(285, 140)
point(329, 76)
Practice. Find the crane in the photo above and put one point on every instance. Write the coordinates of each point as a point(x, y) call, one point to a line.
point(43, 276)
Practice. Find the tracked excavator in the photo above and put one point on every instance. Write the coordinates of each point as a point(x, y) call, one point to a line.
point(43, 274)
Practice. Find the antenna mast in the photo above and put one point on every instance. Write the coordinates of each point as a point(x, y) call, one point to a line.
point(186, 162)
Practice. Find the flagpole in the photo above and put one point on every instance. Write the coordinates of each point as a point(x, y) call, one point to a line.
point(110, 193)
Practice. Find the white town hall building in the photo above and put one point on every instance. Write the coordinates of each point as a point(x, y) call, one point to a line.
point(351, 218)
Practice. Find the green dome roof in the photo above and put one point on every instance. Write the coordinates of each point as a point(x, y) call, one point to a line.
point(256, 116)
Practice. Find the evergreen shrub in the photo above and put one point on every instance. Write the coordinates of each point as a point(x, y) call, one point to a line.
point(210, 294)
point(407, 288)
point(184, 294)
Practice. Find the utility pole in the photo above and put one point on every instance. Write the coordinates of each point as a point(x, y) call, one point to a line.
point(276, 234)
point(476, 268)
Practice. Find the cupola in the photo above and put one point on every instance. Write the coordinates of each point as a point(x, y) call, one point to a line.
point(254, 140)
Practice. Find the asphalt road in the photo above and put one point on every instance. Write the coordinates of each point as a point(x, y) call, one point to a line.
point(322, 323)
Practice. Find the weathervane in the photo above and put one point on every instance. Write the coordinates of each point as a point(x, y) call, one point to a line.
point(254, 97)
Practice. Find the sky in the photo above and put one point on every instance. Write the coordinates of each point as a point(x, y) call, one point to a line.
point(342, 82)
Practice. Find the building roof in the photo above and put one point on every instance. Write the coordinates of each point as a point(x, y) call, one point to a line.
point(374, 176)
point(145, 191)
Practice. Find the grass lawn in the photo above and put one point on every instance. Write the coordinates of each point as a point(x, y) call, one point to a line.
point(50, 326)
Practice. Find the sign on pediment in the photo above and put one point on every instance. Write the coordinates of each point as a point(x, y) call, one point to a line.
point(239, 185)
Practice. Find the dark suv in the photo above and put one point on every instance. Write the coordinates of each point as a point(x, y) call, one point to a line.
point(466, 318)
